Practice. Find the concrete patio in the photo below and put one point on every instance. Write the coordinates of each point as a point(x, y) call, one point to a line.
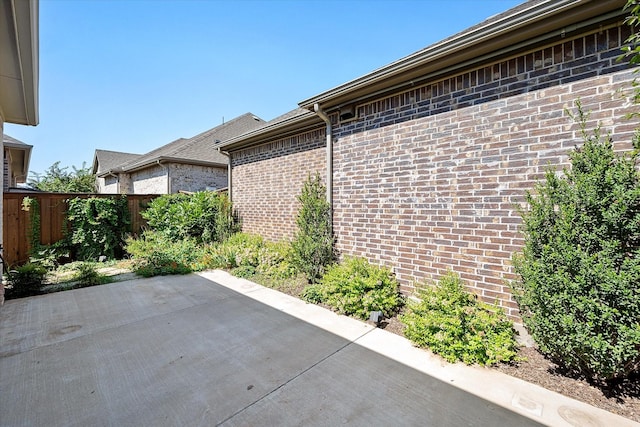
point(211, 349)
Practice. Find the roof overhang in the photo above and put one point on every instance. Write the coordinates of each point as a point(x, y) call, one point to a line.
point(526, 26)
point(278, 130)
point(110, 172)
point(20, 156)
point(19, 63)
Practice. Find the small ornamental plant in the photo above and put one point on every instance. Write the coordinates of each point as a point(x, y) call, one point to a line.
point(356, 288)
point(453, 324)
point(26, 280)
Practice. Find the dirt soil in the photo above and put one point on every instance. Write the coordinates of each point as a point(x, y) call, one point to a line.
point(622, 398)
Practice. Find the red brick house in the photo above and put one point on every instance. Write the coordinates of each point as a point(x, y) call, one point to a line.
point(427, 158)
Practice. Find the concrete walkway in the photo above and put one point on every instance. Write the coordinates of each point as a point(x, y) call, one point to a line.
point(211, 349)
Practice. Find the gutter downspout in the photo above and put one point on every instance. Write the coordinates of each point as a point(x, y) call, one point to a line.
point(229, 169)
point(166, 168)
point(329, 130)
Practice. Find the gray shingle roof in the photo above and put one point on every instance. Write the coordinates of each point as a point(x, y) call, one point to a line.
point(200, 148)
point(288, 115)
point(105, 160)
point(9, 140)
point(297, 119)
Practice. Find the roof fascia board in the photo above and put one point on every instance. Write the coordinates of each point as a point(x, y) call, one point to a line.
point(283, 129)
point(8, 144)
point(518, 29)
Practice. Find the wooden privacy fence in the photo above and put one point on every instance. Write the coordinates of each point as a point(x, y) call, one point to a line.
point(53, 209)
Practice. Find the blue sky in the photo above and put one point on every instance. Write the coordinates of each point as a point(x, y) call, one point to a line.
point(132, 75)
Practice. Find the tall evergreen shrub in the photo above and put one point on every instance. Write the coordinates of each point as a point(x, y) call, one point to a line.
point(205, 216)
point(313, 242)
point(579, 291)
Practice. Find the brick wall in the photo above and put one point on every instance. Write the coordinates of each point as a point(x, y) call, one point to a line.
point(126, 185)
point(184, 177)
point(428, 180)
point(108, 185)
point(197, 178)
point(268, 178)
point(152, 180)
point(569, 61)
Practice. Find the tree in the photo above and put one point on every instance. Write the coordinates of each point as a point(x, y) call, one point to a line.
point(313, 242)
point(57, 179)
point(632, 49)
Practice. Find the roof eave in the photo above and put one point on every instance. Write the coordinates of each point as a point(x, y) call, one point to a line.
point(22, 98)
point(288, 127)
point(108, 172)
point(468, 46)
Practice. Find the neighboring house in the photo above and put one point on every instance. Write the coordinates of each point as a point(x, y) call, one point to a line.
point(427, 158)
point(16, 156)
point(105, 162)
point(192, 164)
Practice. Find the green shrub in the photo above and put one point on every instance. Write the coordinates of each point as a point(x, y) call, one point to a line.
point(26, 280)
point(241, 249)
point(455, 325)
point(164, 214)
point(98, 226)
point(357, 288)
point(313, 242)
point(275, 260)
point(580, 267)
point(51, 256)
point(313, 293)
point(88, 276)
point(205, 216)
point(244, 271)
point(251, 257)
point(155, 254)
